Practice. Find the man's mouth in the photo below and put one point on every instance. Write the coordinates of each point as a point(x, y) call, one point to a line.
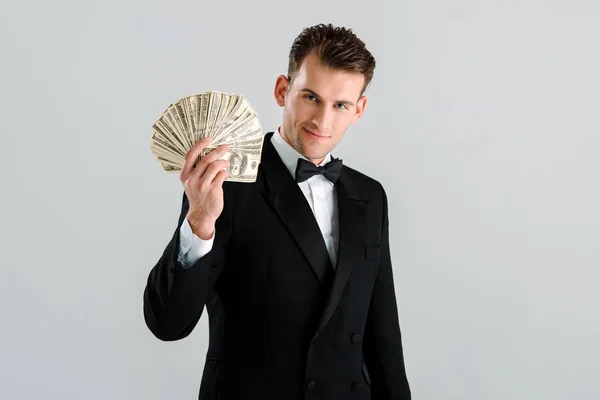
point(315, 134)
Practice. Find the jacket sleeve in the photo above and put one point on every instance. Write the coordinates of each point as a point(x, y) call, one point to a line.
point(175, 294)
point(382, 345)
point(191, 247)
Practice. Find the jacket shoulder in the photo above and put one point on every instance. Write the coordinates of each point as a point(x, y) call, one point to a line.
point(369, 187)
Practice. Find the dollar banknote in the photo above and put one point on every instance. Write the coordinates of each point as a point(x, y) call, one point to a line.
point(226, 118)
point(243, 163)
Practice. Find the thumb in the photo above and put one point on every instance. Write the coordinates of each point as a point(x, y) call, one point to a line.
point(220, 178)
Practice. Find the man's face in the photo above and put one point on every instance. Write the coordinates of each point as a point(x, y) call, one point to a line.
point(319, 105)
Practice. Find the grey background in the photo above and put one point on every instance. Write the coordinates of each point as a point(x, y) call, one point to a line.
point(482, 123)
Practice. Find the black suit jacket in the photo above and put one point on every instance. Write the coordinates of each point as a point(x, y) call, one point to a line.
point(284, 324)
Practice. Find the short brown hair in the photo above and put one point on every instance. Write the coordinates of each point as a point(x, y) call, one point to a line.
point(336, 47)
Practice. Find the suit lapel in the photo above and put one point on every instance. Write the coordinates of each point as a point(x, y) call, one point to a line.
point(352, 219)
point(286, 199)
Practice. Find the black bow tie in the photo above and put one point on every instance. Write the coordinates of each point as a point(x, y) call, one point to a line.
point(306, 169)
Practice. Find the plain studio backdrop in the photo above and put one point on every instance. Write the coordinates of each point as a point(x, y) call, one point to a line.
point(482, 123)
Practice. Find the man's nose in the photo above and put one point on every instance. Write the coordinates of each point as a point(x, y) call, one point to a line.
point(323, 119)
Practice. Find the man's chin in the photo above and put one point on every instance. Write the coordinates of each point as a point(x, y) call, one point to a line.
point(312, 151)
point(315, 155)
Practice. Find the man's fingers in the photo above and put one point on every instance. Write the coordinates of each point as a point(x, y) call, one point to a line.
point(213, 169)
point(220, 178)
point(207, 160)
point(192, 156)
point(216, 154)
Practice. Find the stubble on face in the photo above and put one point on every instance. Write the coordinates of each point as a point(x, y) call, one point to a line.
point(291, 136)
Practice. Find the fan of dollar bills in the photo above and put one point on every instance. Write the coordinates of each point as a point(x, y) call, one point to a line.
point(226, 118)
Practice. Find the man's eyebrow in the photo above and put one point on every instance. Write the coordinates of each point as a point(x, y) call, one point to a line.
point(346, 102)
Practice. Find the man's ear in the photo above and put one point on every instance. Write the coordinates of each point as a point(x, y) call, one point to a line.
point(282, 86)
point(361, 104)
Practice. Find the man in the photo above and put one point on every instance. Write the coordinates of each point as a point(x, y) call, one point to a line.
point(294, 269)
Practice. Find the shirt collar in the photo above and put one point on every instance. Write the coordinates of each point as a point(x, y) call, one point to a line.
point(289, 155)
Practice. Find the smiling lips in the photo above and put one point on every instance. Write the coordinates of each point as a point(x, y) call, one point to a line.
point(316, 135)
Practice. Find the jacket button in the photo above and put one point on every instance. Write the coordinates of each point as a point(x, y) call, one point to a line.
point(355, 338)
point(311, 384)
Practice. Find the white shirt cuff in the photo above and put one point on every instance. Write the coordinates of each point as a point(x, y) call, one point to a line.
point(191, 247)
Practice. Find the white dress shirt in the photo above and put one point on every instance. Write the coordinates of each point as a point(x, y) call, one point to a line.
point(320, 194)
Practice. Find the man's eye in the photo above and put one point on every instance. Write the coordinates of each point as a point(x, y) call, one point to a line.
point(310, 97)
point(343, 106)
